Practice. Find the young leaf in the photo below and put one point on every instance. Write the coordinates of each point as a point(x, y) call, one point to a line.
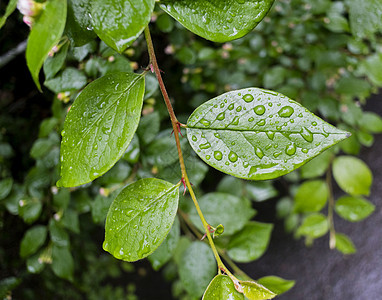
point(140, 218)
point(100, 126)
point(35, 264)
point(352, 175)
point(196, 268)
point(33, 239)
point(5, 187)
point(70, 79)
point(8, 11)
point(232, 212)
point(311, 196)
point(255, 291)
point(119, 22)
point(45, 34)
point(276, 284)
point(54, 64)
point(217, 20)
point(344, 244)
point(250, 243)
point(258, 134)
point(353, 209)
point(222, 288)
point(62, 262)
point(313, 226)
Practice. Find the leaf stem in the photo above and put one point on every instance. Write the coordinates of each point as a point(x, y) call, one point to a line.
point(332, 232)
point(175, 124)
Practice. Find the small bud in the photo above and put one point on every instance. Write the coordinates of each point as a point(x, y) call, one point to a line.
point(169, 50)
point(57, 217)
point(111, 59)
point(29, 8)
point(28, 20)
point(54, 190)
point(227, 46)
point(219, 230)
point(21, 203)
point(54, 50)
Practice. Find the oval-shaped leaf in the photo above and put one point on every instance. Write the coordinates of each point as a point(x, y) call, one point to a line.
point(222, 288)
point(8, 11)
point(33, 239)
point(197, 266)
point(255, 291)
point(45, 34)
point(344, 244)
point(62, 262)
point(119, 22)
point(276, 284)
point(220, 208)
point(311, 196)
point(353, 209)
point(217, 20)
point(352, 175)
point(313, 226)
point(250, 243)
point(100, 126)
point(258, 134)
point(140, 218)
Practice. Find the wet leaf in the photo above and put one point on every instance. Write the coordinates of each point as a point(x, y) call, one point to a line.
point(251, 242)
point(258, 134)
point(69, 80)
point(311, 196)
point(45, 34)
point(140, 218)
point(99, 127)
point(35, 264)
point(196, 268)
point(313, 226)
point(33, 239)
point(255, 291)
point(222, 288)
point(354, 209)
point(119, 22)
point(352, 175)
point(220, 208)
point(217, 20)
point(276, 284)
point(344, 244)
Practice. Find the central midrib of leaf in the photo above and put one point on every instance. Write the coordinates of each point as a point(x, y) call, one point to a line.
point(150, 204)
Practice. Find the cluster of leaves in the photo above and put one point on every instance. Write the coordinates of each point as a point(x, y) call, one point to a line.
point(320, 55)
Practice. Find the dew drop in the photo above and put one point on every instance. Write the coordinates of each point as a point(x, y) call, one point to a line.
point(292, 121)
point(248, 98)
point(218, 155)
point(259, 152)
point(314, 123)
point(304, 150)
point(217, 135)
point(290, 149)
point(245, 164)
point(270, 104)
point(194, 138)
point(286, 111)
point(232, 156)
point(300, 115)
point(231, 106)
point(277, 154)
point(251, 119)
point(239, 108)
point(270, 135)
point(95, 147)
point(306, 134)
point(269, 146)
point(208, 157)
point(252, 171)
point(221, 116)
point(205, 146)
point(261, 123)
point(221, 105)
point(235, 120)
point(227, 163)
point(63, 133)
point(205, 122)
point(259, 110)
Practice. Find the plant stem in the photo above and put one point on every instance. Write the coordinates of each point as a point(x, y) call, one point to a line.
point(175, 124)
point(332, 232)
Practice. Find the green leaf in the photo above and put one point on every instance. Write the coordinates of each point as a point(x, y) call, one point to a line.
point(255, 291)
point(5, 187)
point(140, 218)
point(216, 20)
point(371, 122)
point(45, 34)
point(354, 209)
point(344, 244)
point(30, 209)
point(41, 147)
point(62, 198)
point(372, 68)
point(365, 17)
point(8, 11)
point(58, 235)
point(62, 262)
point(69, 80)
point(260, 191)
point(54, 64)
point(313, 226)
point(33, 239)
point(311, 196)
point(35, 264)
point(317, 166)
point(276, 284)
point(165, 251)
point(222, 288)
point(196, 268)
point(250, 243)
point(148, 128)
point(100, 207)
point(99, 127)
point(258, 134)
point(8, 284)
point(219, 208)
point(119, 22)
point(352, 175)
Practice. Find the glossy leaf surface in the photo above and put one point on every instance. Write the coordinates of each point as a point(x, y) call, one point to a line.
point(352, 175)
point(250, 243)
point(217, 20)
point(314, 226)
point(344, 244)
point(119, 22)
point(258, 134)
point(140, 218)
point(45, 34)
point(276, 284)
point(33, 239)
point(220, 208)
point(100, 126)
point(311, 196)
point(222, 288)
point(255, 291)
point(353, 209)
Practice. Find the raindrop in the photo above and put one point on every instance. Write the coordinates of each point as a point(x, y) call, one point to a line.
point(205, 122)
point(306, 134)
point(248, 98)
point(235, 121)
point(63, 133)
point(277, 154)
point(261, 123)
point(194, 138)
point(232, 156)
point(270, 135)
point(245, 164)
point(300, 115)
point(221, 116)
point(304, 150)
point(290, 149)
point(286, 111)
point(227, 163)
point(205, 146)
point(252, 171)
point(218, 155)
point(231, 106)
point(268, 147)
point(259, 152)
point(95, 147)
point(270, 104)
point(239, 108)
point(217, 135)
point(259, 110)
point(208, 157)
point(314, 123)
point(251, 119)
point(278, 128)
point(221, 105)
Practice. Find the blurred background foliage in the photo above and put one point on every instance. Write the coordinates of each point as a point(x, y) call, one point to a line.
point(325, 54)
